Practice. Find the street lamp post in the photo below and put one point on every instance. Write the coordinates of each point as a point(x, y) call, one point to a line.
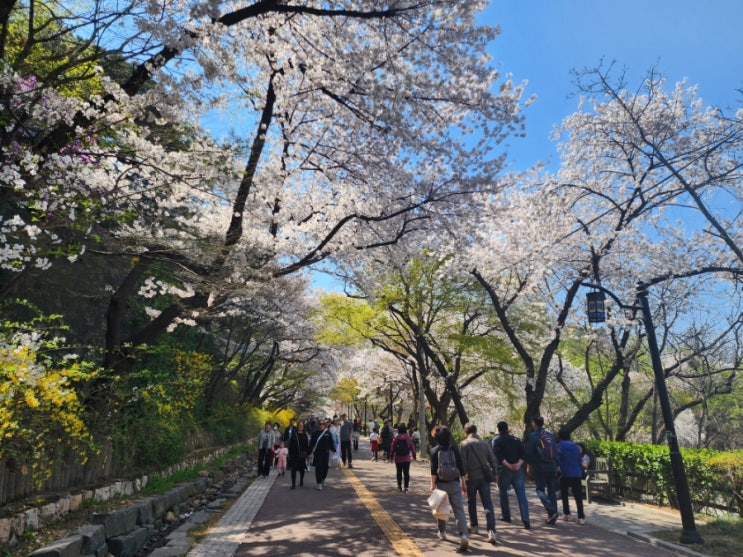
point(689, 534)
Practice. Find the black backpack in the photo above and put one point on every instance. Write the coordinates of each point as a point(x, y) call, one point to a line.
point(447, 470)
point(402, 448)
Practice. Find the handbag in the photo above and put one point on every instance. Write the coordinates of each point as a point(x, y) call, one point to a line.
point(487, 471)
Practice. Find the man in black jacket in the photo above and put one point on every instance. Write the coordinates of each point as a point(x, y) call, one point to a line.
point(321, 444)
point(509, 452)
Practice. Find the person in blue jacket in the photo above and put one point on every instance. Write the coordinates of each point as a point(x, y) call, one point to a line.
point(570, 467)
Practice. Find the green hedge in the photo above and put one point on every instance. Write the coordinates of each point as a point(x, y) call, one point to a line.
point(715, 477)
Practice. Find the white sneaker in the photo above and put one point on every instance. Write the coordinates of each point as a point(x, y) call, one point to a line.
point(441, 536)
point(319, 487)
point(472, 529)
point(567, 517)
point(464, 543)
point(581, 521)
point(510, 492)
point(492, 537)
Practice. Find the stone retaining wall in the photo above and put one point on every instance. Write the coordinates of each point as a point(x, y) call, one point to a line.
point(13, 527)
point(124, 532)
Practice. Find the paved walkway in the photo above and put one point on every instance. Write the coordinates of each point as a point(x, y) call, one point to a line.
point(361, 513)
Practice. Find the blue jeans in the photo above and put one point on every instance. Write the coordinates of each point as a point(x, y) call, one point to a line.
point(454, 491)
point(517, 479)
point(483, 489)
point(547, 478)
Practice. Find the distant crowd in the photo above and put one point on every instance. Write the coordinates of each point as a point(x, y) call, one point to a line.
point(555, 464)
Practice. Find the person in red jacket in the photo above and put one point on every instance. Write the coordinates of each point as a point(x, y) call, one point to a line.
point(402, 452)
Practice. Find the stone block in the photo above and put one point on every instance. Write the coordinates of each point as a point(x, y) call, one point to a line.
point(66, 547)
point(145, 513)
point(159, 506)
point(128, 544)
point(33, 521)
point(6, 527)
point(76, 501)
point(48, 512)
point(116, 523)
point(94, 537)
point(63, 505)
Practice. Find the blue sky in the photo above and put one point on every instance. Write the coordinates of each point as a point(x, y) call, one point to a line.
point(542, 40)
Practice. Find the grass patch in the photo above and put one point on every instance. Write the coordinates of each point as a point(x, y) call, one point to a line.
point(723, 537)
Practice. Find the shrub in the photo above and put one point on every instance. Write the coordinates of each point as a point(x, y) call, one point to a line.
point(710, 474)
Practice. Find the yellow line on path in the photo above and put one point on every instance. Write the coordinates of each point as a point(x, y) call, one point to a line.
point(403, 545)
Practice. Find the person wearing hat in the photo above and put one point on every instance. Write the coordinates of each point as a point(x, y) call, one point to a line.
point(509, 452)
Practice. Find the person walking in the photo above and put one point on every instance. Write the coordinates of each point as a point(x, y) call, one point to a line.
point(476, 456)
point(289, 431)
point(345, 432)
point(541, 458)
point(385, 437)
point(509, 452)
point(400, 452)
point(265, 444)
point(298, 451)
point(356, 433)
point(447, 474)
point(374, 443)
point(321, 445)
point(570, 467)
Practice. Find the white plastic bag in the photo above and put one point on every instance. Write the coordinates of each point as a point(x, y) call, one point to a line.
point(439, 503)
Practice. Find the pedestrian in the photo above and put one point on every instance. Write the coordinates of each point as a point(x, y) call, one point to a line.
point(401, 450)
point(386, 439)
point(374, 443)
point(277, 436)
point(334, 429)
point(509, 452)
point(289, 431)
point(282, 454)
point(298, 452)
point(447, 474)
point(356, 433)
point(585, 460)
point(345, 434)
point(416, 438)
point(476, 456)
point(372, 425)
point(570, 467)
point(541, 459)
point(321, 445)
point(265, 444)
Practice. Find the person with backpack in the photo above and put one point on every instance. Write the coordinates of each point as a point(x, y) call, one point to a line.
point(509, 452)
point(541, 458)
point(402, 452)
point(447, 474)
point(570, 466)
point(479, 466)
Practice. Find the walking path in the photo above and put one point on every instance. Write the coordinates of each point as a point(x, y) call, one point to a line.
point(361, 513)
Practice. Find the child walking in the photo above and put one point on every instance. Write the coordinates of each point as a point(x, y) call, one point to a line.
point(374, 442)
point(281, 455)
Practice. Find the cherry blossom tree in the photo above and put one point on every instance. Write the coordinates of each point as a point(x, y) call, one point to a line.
point(356, 125)
point(613, 215)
